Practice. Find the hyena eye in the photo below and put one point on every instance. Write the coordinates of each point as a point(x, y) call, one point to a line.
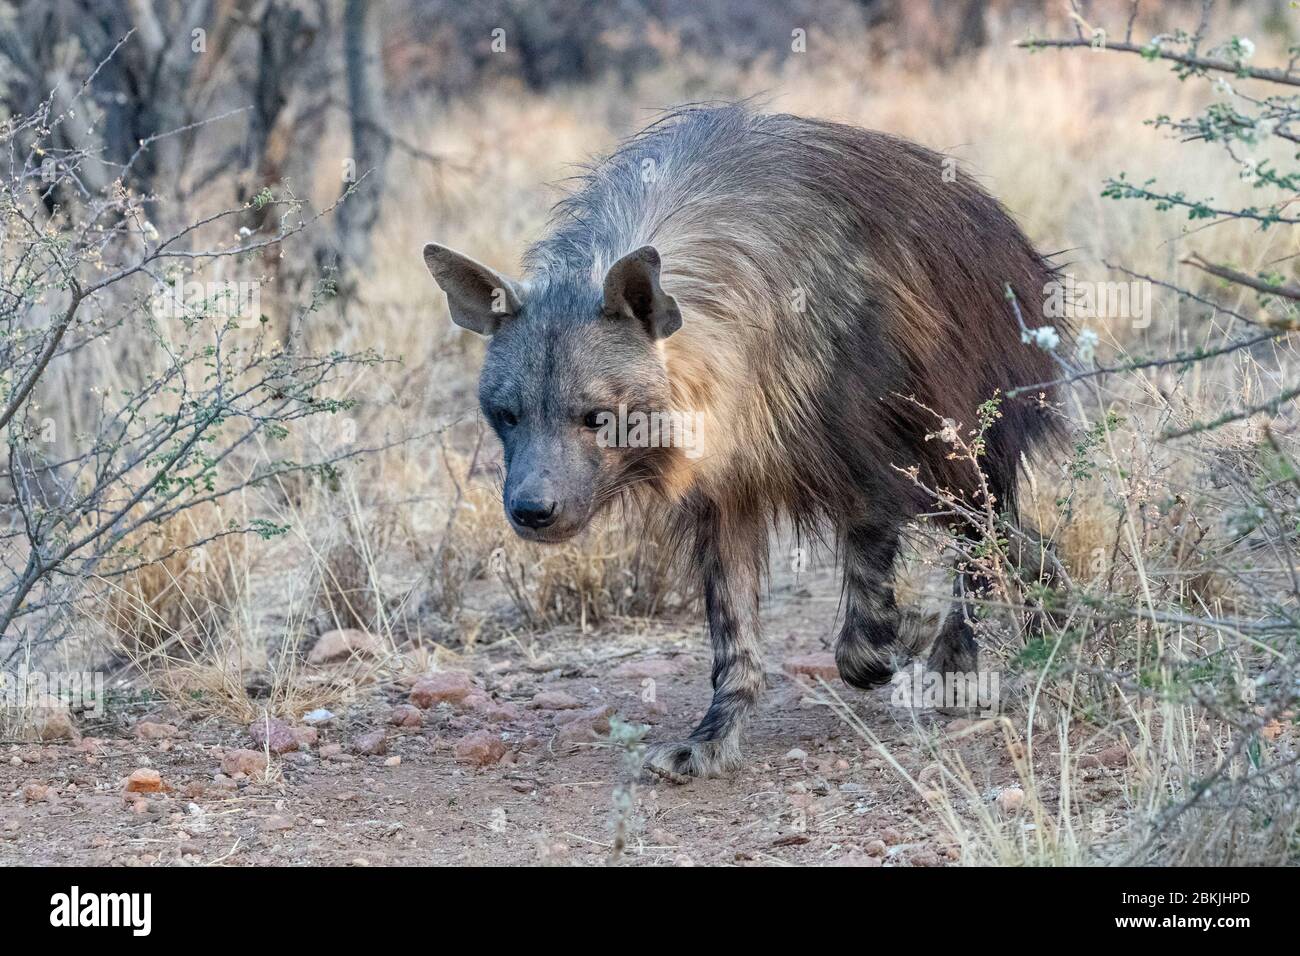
point(507, 419)
point(594, 418)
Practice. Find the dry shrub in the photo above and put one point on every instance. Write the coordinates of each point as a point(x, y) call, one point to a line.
point(162, 591)
point(621, 567)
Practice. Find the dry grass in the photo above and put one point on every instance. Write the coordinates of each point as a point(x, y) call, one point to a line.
point(173, 592)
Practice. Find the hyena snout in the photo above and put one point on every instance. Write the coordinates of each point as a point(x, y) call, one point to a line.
point(541, 509)
point(534, 513)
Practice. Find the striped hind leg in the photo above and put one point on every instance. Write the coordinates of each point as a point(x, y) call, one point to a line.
point(955, 650)
point(870, 646)
point(730, 555)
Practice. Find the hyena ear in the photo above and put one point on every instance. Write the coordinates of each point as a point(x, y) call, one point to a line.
point(632, 291)
point(479, 298)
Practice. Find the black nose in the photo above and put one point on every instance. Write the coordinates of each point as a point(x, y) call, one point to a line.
point(533, 514)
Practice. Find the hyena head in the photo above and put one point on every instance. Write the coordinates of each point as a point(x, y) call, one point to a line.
point(566, 359)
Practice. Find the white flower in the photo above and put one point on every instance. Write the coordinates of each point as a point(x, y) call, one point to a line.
point(244, 232)
point(1265, 127)
point(1223, 86)
point(1245, 48)
point(1085, 345)
point(1045, 337)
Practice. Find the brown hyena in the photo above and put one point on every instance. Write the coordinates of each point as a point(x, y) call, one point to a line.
point(811, 296)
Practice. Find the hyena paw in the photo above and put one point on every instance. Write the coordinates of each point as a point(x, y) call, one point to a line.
point(869, 653)
point(679, 761)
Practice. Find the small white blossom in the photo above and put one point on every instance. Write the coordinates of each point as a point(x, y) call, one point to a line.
point(1045, 337)
point(1223, 86)
point(244, 232)
point(1245, 48)
point(1265, 127)
point(1086, 345)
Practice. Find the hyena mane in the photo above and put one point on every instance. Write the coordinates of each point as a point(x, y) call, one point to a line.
point(841, 296)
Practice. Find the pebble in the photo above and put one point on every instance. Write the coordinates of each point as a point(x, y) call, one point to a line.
point(53, 720)
point(406, 715)
point(373, 744)
point(251, 763)
point(35, 792)
point(149, 730)
point(273, 734)
point(343, 644)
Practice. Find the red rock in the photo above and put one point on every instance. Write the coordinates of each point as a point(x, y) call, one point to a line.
point(330, 751)
point(501, 713)
point(342, 645)
point(555, 700)
point(812, 666)
point(251, 763)
point(373, 744)
point(450, 686)
point(307, 736)
point(35, 792)
point(273, 735)
point(150, 730)
point(406, 715)
point(583, 726)
point(145, 780)
point(475, 700)
point(480, 749)
point(52, 719)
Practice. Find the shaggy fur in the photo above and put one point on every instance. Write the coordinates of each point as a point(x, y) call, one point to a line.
point(834, 296)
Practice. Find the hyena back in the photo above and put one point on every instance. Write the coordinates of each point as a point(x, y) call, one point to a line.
point(820, 297)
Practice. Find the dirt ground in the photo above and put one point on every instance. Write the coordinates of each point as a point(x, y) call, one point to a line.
point(444, 792)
